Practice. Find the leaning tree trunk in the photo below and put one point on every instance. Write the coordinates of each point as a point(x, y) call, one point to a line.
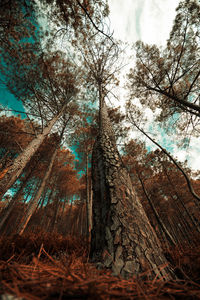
point(11, 205)
point(33, 204)
point(20, 162)
point(122, 237)
point(161, 224)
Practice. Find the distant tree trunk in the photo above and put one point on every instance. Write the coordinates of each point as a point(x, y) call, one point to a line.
point(33, 204)
point(55, 214)
point(77, 221)
point(122, 237)
point(11, 205)
point(63, 207)
point(91, 197)
point(42, 199)
point(88, 202)
point(196, 225)
point(68, 229)
point(31, 190)
point(83, 220)
point(190, 187)
point(159, 220)
point(3, 160)
point(45, 213)
point(15, 170)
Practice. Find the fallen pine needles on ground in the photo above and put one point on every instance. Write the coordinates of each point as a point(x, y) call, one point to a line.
point(55, 267)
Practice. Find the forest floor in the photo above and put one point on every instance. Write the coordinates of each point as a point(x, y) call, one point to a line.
point(49, 266)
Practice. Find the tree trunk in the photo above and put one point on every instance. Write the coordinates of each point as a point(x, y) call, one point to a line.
point(196, 225)
point(11, 205)
point(68, 229)
point(88, 202)
point(32, 206)
point(46, 208)
point(159, 220)
point(42, 200)
point(15, 170)
point(122, 237)
point(55, 214)
point(3, 161)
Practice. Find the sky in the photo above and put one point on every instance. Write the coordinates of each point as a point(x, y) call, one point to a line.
point(7, 99)
point(146, 20)
point(151, 22)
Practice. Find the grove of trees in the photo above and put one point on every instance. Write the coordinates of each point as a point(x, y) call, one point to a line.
point(67, 164)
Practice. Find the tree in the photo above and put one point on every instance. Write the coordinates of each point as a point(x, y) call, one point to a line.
point(68, 120)
point(15, 134)
point(33, 76)
point(67, 185)
point(58, 141)
point(15, 170)
point(130, 116)
point(122, 237)
point(46, 91)
point(169, 79)
point(77, 18)
point(83, 138)
point(163, 194)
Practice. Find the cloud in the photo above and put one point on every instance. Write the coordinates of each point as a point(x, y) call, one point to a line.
point(123, 16)
point(156, 20)
point(147, 20)
point(150, 21)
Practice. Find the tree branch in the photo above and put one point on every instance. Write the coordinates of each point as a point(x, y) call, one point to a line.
point(171, 158)
point(89, 17)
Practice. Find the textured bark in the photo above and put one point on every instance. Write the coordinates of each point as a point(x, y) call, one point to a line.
point(122, 237)
point(15, 170)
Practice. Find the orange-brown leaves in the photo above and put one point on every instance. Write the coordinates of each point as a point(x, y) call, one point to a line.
point(15, 133)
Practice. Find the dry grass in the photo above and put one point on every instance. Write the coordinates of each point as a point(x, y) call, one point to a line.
point(46, 266)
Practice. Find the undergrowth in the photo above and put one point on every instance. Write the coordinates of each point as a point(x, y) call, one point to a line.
point(48, 266)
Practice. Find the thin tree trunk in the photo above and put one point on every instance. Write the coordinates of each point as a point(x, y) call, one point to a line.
point(55, 215)
point(172, 230)
point(181, 201)
point(159, 220)
point(88, 202)
point(48, 201)
point(91, 197)
point(77, 222)
point(190, 187)
point(33, 204)
point(3, 160)
point(68, 219)
point(29, 192)
point(63, 208)
point(122, 237)
point(41, 203)
point(5, 214)
point(15, 170)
